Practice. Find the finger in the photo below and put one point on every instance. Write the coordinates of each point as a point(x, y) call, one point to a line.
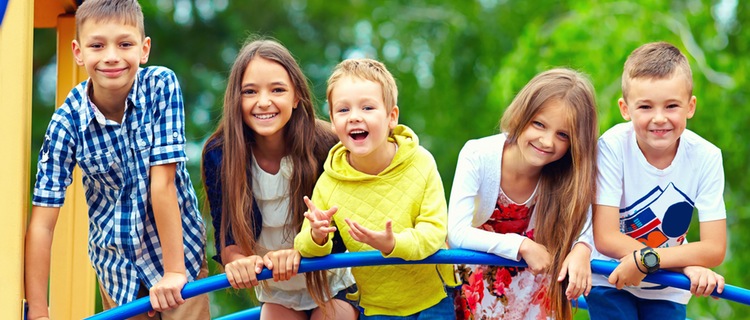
point(289, 267)
point(310, 217)
point(151, 313)
point(154, 300)
point(720, 283)
point(258, 266)
point(710, 286)
point(280, 271)
point(231, 278)
point(588, 286)
point(389, 227)
point(170, 300)
point(563, 272)
point(330, 212)
point(267, 262)
point(310, 205)
point(243, 277)
point(163, 304)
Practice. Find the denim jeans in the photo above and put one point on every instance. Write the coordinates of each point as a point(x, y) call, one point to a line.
point(444, 310)
point(606, 303)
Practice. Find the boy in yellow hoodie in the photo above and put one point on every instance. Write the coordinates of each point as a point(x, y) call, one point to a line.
point(384, 192)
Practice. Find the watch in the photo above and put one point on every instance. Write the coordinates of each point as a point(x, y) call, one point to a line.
point(650, 259)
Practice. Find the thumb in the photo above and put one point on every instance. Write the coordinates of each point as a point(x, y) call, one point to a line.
point(151, 313)
point(331, 212)
point(389, 227)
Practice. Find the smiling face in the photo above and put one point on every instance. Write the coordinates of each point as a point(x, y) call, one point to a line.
point(360, 118)
point(546, 138)
point(268, 98)
point(111, 51)
point(659, 109)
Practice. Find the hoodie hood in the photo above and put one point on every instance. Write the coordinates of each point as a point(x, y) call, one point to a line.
point(338, 167)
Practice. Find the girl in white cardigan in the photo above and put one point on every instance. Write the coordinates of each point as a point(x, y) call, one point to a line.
point(526, 194)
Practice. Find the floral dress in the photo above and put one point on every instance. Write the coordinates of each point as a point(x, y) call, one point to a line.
point(494, 292)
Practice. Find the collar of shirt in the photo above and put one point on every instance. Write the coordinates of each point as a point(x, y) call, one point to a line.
point(132, 100)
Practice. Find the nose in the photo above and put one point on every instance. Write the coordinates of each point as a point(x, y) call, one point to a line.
point(111, 55)
point(546, 139)
point(659, 116)
point(264, 100)
point(354, 115)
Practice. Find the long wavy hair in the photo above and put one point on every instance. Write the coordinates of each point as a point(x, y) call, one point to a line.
point(307, 141)
point(567, 187)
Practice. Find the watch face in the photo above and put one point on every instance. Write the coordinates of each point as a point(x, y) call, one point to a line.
point(650, 259)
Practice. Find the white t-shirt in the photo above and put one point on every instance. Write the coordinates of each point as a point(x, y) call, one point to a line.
point(656, 205)
point(271, 191)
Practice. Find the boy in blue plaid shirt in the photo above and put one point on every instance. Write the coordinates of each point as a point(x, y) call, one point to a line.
point(124, 127)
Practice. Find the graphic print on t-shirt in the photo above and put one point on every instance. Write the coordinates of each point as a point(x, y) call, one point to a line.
point(660, 218)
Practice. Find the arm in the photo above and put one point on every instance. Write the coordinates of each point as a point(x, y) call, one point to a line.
point(304, 241)
point(37, 259)
point(430, 225)
point(465, 195)
point(165, 294)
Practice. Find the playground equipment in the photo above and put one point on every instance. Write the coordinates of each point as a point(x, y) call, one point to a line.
point(372, 258)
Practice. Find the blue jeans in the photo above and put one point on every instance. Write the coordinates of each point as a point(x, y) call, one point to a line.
point(610, 303)
point(444, 310)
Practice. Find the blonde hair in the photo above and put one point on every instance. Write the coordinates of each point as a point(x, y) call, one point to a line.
point(365, 69)
point(126, 11)
point(655, 60)
point(567, 187)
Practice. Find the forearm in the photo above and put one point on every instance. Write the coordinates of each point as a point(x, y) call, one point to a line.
point(616, 245)
point(169, 225)
point(37, 259)
point(232, 253)
point(702, 253)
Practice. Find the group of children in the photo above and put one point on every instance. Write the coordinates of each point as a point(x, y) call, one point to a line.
point(282, 184)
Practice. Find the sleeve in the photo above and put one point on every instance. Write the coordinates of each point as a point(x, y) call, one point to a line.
point(169, 120)
point(465, 195)
point(710, 199)
point(587, 234)
point(212, 175)
point(430, 226)
point(609, 175)
point(303, 242)
point(55, 163)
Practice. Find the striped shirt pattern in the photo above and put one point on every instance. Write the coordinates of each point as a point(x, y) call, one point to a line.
point(115, 160)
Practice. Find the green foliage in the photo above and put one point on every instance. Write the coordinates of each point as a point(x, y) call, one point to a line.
point(457, 65)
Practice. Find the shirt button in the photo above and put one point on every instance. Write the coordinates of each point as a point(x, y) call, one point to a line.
point(132, 196)
point(175, 134)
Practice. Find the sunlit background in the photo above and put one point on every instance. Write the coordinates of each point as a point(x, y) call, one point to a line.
point(458, 64)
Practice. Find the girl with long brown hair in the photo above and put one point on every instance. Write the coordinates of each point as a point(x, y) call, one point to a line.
point(526, 193)
point(263, 159)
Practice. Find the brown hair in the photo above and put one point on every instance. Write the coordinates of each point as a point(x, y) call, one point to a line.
point(126, 11)
point(307, 140)
point(655, 60)
point(365, 69)
point(567, 186)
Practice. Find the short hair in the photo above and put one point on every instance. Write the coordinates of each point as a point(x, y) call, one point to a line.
point(365, 69)
point(125, 11)
point(655, 60)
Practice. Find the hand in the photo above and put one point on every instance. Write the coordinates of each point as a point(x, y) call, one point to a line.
point(165, 294)
point(536, 256)
point(703, 281)
point(627, 272)
point(242, 273)
point(320, 221)
point(284, 263)
point(380, 240)
point(577, 266)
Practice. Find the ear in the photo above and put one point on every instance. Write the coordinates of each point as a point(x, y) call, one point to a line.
point(393, 118)
point(146, 50)
point(623, 109)
point(296, 103)
point(691, 107)
point(76, 47)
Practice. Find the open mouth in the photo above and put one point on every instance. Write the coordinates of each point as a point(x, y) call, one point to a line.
point(265, 116)
point(358, 135)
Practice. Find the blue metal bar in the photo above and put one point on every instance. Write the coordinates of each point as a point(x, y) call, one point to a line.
point(372, 258)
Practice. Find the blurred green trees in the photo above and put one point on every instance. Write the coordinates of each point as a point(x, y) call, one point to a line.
point(458, 64)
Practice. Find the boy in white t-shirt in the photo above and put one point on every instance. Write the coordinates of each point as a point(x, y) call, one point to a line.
point(653, 173)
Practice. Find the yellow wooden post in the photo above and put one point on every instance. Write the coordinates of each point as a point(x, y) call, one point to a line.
point(73, 283)
point(16, 45)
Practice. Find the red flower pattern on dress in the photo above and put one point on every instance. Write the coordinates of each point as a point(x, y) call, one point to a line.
point(474, 291)
point(502, 281)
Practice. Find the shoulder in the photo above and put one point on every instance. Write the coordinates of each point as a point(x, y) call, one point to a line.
point(73, 112)
point(156, 72)
point(617, 137)
point(697, 146)
point(490, 146)
point(212, 151)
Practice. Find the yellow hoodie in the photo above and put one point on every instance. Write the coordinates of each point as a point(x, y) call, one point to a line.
point(410, 193)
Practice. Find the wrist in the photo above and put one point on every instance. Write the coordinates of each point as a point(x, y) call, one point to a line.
point(650, 259)
point(637, 263)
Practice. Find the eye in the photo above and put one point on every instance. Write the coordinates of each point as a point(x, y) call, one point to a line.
point(366, 107)
point(96, 45)
point(563, 135)
point(672, 106)
point(342, 110)
point(644, 106)
point(247, 92)
point(537, 124)
point(279, 90)
point(126, 44)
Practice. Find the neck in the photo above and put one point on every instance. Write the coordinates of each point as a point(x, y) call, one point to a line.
point(375, 163)
point(111, 104)
point(660, 159)
point(268, 152)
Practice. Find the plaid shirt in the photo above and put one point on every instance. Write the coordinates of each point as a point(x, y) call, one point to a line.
point(115, 160)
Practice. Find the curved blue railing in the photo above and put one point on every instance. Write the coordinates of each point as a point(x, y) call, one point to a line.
point(372, 258)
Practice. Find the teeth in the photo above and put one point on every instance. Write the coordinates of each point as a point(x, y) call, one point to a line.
point(357, 132)
point(265, 116)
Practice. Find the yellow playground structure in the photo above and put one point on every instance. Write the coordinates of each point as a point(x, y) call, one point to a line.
point(72, 286)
